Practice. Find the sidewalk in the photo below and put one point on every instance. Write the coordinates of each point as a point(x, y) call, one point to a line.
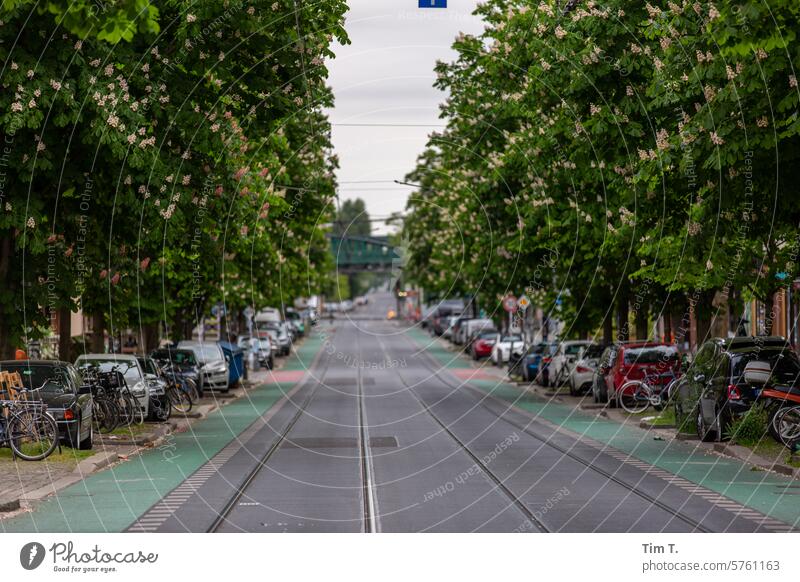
point(768, 492)
point(111, 499)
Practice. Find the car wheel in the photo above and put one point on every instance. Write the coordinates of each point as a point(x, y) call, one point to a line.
point(705, 432)
point(87, 443)
point(572, 390)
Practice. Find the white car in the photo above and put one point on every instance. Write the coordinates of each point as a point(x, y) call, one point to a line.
point(448, 331)
point(213, 366)
point(565, 356)
point(470, 328)
point(126, 364)
point(503, 346)
point(581, 373)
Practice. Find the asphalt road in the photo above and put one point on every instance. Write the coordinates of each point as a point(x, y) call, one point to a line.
point(379, 437)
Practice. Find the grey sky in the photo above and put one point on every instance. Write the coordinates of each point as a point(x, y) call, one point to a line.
point(386, 76)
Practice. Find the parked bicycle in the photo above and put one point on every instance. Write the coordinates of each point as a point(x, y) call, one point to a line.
point(636, 396)
point(28, 429)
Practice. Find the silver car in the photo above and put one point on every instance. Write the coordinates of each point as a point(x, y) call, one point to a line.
point(127, 365)
point(213, 366)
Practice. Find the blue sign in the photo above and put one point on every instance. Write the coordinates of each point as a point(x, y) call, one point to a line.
point(433, 3)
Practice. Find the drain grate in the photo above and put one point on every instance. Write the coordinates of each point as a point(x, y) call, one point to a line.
point(338, 443)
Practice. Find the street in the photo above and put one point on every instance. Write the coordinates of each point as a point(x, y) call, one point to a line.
point(383, 434)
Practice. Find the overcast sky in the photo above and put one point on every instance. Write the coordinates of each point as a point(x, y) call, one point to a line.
point(385, 76)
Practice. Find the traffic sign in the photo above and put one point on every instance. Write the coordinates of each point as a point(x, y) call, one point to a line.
point(524, 302)
point(510, 304)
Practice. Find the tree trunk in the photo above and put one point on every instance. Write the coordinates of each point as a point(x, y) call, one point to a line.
point(769, 313)
point(97, 343)
point(703, 310)
point(149, 340)
point(608, 329)
point(642, 332)
point(65, 334)
point(622, 315)
point(6, 255)
point(667, 317)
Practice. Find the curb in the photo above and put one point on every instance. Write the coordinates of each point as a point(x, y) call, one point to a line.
point(647, 425)
point(745, 455)
point(93, 464)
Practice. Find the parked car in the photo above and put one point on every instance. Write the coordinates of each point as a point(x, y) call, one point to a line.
point(297, 321)
point(625, 361)
point(128, 366)
point(717, 388)
point(565, 356)
point(483, 344)
point(471, 328)
point(444, 310)
point(531, 363)
point(501, 351)
point(278, 335)
point(268, 314)
point(213, 366)
point(448, 330)
point(61, 388)
point(581, 372)
point(262, 348)
point(183, 362)
point(458, 326)
point(157, 388)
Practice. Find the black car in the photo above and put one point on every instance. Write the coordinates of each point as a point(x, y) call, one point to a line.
point(59, 385)
point(182, 361)
point(713, 392)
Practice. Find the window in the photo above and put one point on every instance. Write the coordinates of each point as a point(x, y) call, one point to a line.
point(785, 365)
point(651, 355)
point(50, 379)
point(127, 368)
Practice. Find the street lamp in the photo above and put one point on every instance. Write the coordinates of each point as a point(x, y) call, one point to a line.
point(407, 183)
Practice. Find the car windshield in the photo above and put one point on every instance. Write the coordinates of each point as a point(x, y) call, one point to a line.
point(209, 353)
point(124, 367)
point(651, 355)
point(785, 365)
point(573, 349)
point(258, 344)
point(179, 357)
point(485, 335)
point(148, 365)
point(52, 379)
point(593, 351)
point(512, 338)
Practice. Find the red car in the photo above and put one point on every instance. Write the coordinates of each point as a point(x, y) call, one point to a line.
point(481, 346)
point(622, 362)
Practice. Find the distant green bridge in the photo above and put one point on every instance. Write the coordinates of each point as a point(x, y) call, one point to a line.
point(356, 254)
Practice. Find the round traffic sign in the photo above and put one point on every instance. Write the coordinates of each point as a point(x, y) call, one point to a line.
point(510, 304)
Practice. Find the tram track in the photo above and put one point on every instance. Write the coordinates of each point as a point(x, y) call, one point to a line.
point(428, 363)
point(476, 459)
point(231, 504)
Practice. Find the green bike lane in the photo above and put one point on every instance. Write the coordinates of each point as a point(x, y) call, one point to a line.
point(772, 494)
point(110, 500)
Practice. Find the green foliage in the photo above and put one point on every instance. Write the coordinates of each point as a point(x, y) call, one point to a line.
point(622, 151)
point(750, 428)
point(161, 156)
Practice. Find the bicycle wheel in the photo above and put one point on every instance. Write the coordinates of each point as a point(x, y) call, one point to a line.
point(98, 415)
point(33, 436)
point(634, 397)
point(190, 386)
point(107, 415)
point(179, 400)
point(786, 424)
